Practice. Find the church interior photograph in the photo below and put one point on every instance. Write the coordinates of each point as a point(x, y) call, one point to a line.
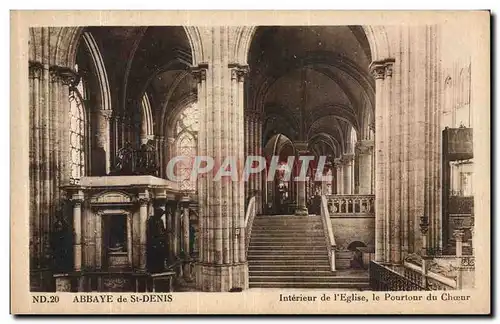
point(382, 113)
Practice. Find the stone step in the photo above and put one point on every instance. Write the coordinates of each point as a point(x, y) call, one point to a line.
point(288, 217)
point(290, 234)
point(293, 219)
point(303, 278)
point(285, 247)
point(287, 262)
point(290, 245)
point(289, 268)
point(286, 222)
point(310, 257)
point(288, 230)
point(290, 238)
point(284, 273)
point(300, 229)
point(308, 227)
point(332, 285)
point(290, 254)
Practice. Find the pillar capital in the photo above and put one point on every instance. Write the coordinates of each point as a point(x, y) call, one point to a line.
point(199, 72)
point(170, 140)
point(77, 196)
point(65, 75)
point(337, 162)
point(185, 201)
point(106, 113)
point(143, 197)
point(377, 70)
point(238, 71)
point(364, 147)
point(372, 127)
point(459, 234)
point(35, 70)
point(347, 158)
point(382, 69)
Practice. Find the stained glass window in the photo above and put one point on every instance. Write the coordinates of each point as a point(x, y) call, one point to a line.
point(77, 133)
point(186, 145)
point(188, 120)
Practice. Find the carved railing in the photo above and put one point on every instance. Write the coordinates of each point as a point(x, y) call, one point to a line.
point(339, 205)
point(328, 230)
point(431, 280)
point(407, 277)
point(249, 218)
point(132, 161)
point(383, 278)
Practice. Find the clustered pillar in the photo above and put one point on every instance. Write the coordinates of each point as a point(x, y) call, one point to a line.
point(222, 264)
point(253, 147)
point(339, 177)
point(364, 151)
point(348, 173)
point(407, 127)
point(49, 157)
point(301, 209)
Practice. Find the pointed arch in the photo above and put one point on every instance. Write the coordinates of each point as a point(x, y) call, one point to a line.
point(376, 36)
point(100, 69)
point(147, 132)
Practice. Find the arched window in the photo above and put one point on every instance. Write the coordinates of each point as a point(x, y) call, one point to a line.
point(353, 138)
point(186, 145)
point(77, 131)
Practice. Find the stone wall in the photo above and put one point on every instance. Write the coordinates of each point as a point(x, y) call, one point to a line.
point(350, 229)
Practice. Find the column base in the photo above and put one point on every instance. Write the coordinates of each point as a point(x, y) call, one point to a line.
point(301, 211)
point(221, 277)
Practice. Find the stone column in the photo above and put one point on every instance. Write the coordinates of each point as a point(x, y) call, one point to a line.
point(301, 208)
point(407, 143)
point(143, 224)
point(103, 142)
point(253, 146)
point(129, 239)
point(170, 148)
point(185, 225)
point(348, 161)
point(169, 219)
point(459, 238)
point(35, 71)
point(98, 241)
point(339, 176)
point(378, 71)
point(160, 145)
point(364, 150)
point(186, 238)
point(77, 200)
point(177, 233)
point(222, 264)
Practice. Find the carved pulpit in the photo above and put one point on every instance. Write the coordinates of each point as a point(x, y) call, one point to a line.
point(119, 231)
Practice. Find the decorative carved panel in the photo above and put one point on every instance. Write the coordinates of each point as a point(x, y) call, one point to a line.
point(460, 205)
point(111, 197)
point(116, 283)
point(457, 143)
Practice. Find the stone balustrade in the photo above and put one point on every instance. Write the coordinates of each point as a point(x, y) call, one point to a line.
point(350, 205)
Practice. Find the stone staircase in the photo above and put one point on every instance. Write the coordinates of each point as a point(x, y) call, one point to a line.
point(290, 252)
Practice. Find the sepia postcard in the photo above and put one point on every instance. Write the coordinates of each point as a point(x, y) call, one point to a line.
point(250, 162)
